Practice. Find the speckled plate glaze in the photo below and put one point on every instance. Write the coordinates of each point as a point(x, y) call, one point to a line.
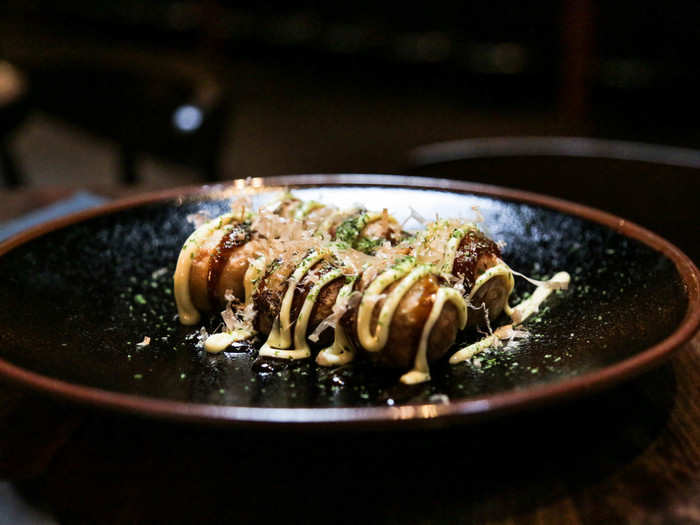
point(77, 296)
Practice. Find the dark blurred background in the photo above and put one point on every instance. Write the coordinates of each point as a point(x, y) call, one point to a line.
point(132, 95)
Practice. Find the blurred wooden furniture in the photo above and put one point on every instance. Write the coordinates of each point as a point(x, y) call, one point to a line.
point(164, 105)
point(655, 186)
point(145, 106)
point(13, 109)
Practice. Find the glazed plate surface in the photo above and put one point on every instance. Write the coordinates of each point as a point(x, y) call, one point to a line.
point(77, 297)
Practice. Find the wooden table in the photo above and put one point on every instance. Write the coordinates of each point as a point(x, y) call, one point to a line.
point(628, 455)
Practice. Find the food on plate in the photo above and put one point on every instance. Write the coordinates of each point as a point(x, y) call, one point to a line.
point(313, 280)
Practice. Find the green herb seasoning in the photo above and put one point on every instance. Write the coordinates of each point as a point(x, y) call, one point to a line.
point(351, 227)
point(404, 260)
point(349, 232)
point(367, 245)
point(273, 266)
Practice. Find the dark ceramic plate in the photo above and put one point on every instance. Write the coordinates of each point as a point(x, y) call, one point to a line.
point(77, 295)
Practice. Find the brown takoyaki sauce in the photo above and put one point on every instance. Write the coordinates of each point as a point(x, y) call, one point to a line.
point(473, 247)
point(235, 237)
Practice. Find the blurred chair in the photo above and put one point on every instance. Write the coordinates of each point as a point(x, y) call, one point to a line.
point(655, 186)
point(145, 104)
point(13, 109)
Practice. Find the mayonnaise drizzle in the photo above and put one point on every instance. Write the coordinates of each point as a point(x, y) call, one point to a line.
point(276, 203)
point(187, 312)
point(448, 260)
point(303, 319)
point(532, 304)
point(280, 336)
point(341, 350)
point(215, 343)
point(518, 314)
point(255, 270)
point(301, 347)
point(497, 270)
point(469, 351)
point(409, 274)
point(306, 208)
point(293, 209)
point(421, 370)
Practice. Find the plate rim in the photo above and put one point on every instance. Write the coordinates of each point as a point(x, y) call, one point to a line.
point(427, 414)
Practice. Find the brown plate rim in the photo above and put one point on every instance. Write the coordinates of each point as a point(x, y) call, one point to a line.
point(463, 410)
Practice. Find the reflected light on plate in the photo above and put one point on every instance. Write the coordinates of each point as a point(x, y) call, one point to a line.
point(431, 411)
point(250, 182)
point(187, 118)
point(411, 412)
point(248, 186)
